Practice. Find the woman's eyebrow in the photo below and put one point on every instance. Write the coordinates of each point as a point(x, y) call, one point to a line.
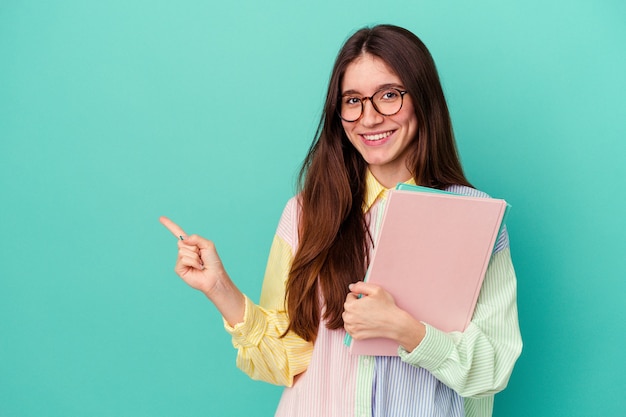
point(378, 88)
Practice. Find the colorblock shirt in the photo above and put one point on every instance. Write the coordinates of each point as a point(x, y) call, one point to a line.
point(447, 374)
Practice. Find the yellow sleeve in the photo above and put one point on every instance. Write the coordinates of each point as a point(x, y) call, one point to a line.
point(262, 353)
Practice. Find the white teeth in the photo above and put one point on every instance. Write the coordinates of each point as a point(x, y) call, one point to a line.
point(378, 136)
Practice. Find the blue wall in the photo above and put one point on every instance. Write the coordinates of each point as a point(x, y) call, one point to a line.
point(114, 113)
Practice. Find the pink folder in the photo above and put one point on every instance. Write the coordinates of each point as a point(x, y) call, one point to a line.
point(431, 254)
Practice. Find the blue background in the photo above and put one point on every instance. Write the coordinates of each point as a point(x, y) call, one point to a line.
point(114, 113)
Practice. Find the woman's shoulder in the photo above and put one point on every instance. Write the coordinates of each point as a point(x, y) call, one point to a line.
point(288, 223)
point(293, 205)
point(291, 209)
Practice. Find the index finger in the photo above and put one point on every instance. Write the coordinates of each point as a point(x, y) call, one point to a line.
point(172, 227)
point(361, 288)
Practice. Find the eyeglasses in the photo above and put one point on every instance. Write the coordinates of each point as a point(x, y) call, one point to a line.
point(386, 101)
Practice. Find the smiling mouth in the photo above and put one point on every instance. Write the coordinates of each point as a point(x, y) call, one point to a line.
point(378, 136)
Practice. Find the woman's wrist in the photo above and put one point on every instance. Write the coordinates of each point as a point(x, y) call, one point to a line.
point(227, 298)
point(409, 332)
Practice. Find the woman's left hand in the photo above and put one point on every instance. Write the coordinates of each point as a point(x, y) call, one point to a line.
point(370, 311)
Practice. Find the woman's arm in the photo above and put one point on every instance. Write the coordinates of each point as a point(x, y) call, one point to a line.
point(479, 361)
point(257, 331)
point(262, 351)
point(199, 265)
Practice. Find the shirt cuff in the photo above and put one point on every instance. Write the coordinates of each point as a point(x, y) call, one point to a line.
point(250, 331)
point(432, 351)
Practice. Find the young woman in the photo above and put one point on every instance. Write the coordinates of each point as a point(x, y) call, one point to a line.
point(385, 121)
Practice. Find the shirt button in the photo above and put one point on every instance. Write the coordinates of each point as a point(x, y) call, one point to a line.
point(366, 361)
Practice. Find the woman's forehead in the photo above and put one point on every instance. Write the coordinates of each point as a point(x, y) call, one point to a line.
point(368, 73)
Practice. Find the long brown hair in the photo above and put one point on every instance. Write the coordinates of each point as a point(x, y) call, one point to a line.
point(334, 237)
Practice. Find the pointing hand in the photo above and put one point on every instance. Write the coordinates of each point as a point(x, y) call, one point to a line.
point(198, 263)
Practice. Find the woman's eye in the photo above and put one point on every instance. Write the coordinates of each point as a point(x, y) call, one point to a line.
point(389, 95)
point(351, 101)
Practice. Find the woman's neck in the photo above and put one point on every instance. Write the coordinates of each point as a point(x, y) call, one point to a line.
point(389, 178)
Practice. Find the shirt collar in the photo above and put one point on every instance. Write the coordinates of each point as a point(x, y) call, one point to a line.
point(375, 190)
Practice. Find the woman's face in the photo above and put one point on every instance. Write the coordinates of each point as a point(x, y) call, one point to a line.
point(383, 141)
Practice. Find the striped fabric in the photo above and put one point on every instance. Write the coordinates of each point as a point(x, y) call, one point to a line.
point(448, 374)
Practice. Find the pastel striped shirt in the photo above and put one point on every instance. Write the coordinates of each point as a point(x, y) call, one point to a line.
point(447, 374)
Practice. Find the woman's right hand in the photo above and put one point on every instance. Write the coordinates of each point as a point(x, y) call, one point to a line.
point(201, 268)
point(198, 263)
